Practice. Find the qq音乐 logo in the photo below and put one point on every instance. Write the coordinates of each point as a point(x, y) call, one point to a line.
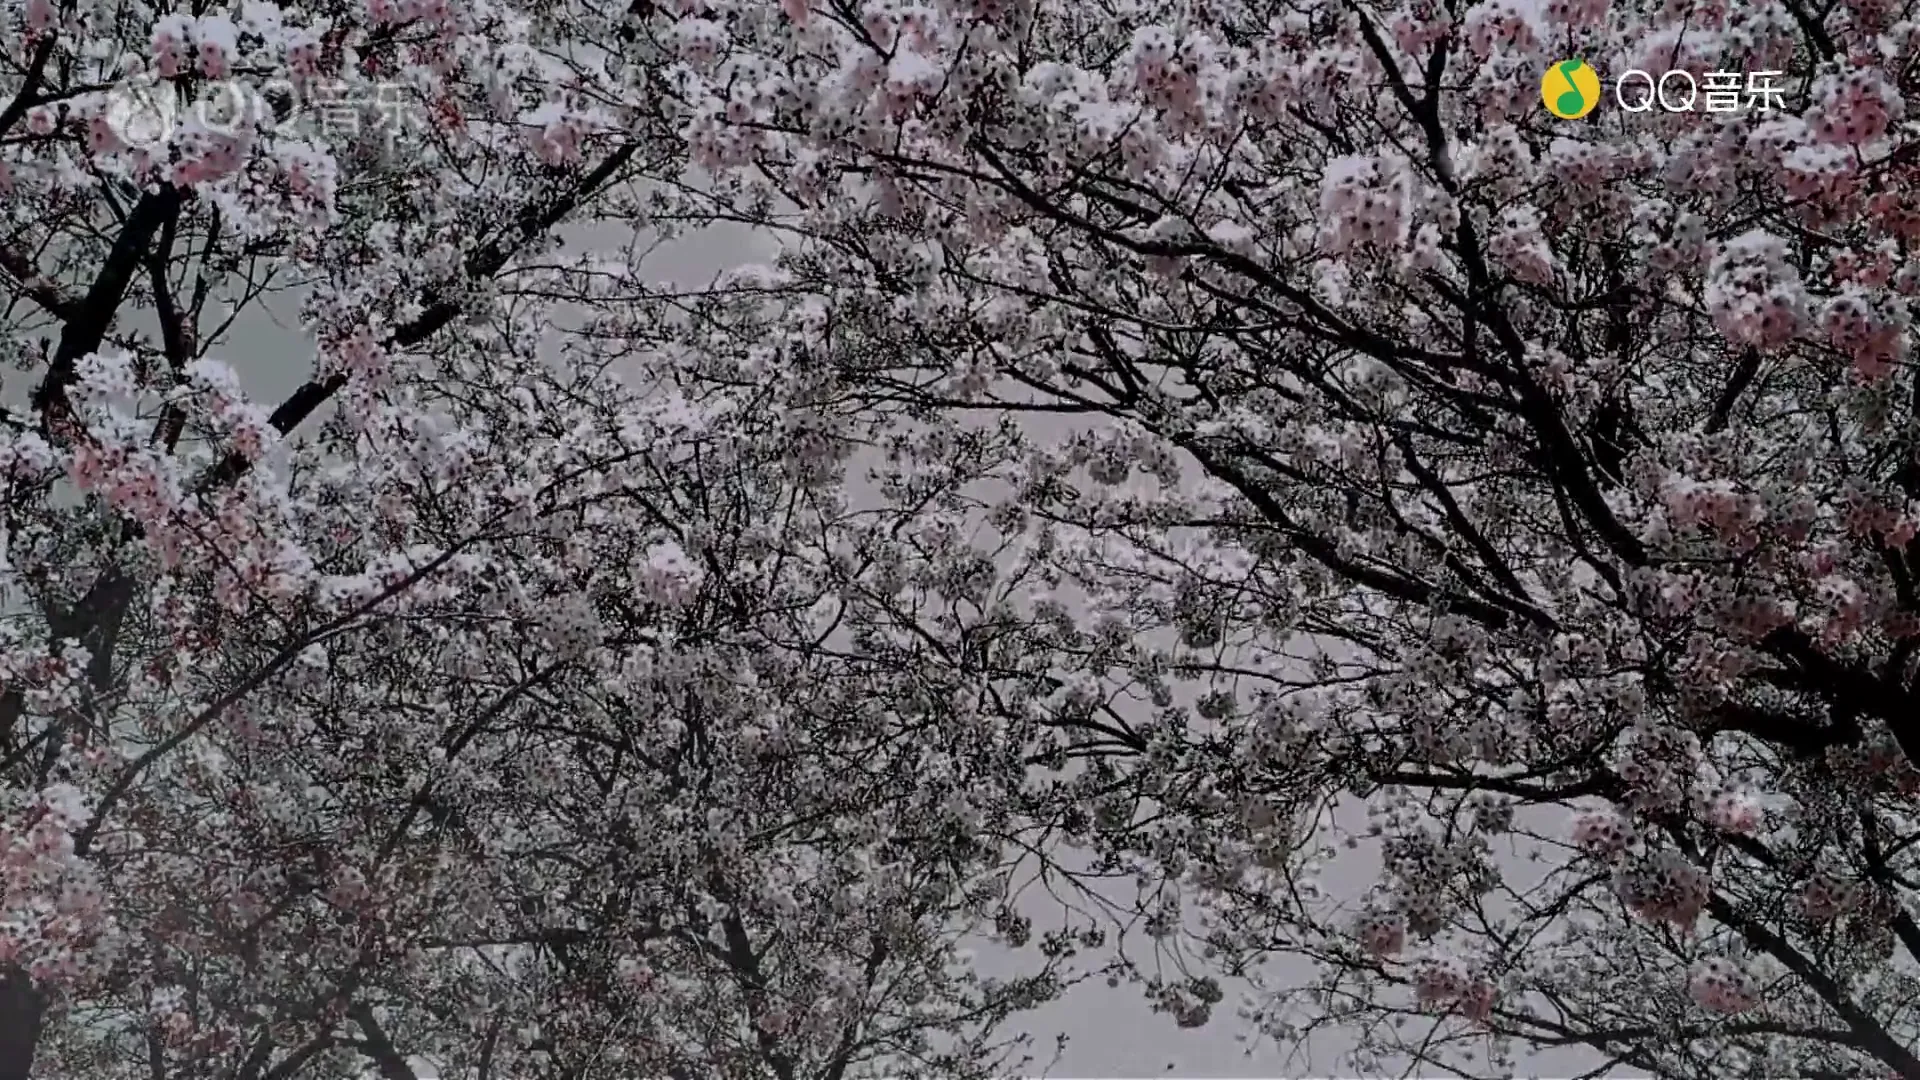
point(1570, 88)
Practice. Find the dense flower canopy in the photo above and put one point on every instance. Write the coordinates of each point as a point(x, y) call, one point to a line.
point(1549, 486)
point(1183, 453)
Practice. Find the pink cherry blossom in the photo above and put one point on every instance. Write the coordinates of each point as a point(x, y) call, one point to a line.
point(1720, 986)
point(1602, 832)
point(1383, 933)
point(1735, 812)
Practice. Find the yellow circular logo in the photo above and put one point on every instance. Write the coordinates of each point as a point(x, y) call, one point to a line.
point(1571, 88)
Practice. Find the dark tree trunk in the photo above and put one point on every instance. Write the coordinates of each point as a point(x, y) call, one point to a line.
point(20, 1010)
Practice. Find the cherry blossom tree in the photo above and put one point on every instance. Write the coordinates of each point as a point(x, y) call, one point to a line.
point(1547, 487)
point(1541, 493)
point(483, 708)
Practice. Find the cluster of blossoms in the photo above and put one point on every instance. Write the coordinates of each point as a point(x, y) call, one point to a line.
point(1827, 896)
point(1520, 243)
point(1754, 292)
point(1664, 887)
point(1382, 933)
point(1722, 986)
point(54, 921)
point(1449, 984)
point(1603, 833)
point(1499, 26)
point(1874, 342)
point(206, 45)
point(1659, 764)
point(1714, 505)
point(1855, 108)
point(1365, 203)
point(1736, 812)
point(1823, 174)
